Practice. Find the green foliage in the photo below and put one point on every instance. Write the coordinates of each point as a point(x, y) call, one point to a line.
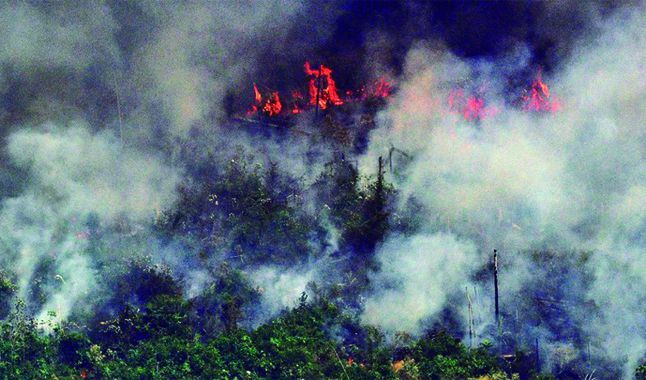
point(640, 372)
point(220, 306)
point(296, 344)
point(7, 289)
point(243, 358)
point(139, 281)
point(444, 357)
point(159, 342)
point(167, 316)
point(144, 327)
point(165, 358)
point(25, 353)
point(249, 210)
point(358, 208)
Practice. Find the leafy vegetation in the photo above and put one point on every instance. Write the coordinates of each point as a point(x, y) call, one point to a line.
point(146, 320)
point(298, 344)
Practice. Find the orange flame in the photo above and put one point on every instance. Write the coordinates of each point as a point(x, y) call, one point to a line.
point(297, 99)
point(258, 97)
point(321, 87)
point(273, 105)
point(325, 92)
point(257, 93)
point(537, 97)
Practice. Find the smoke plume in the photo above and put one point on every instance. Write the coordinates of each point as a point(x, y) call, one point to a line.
point(523, 182)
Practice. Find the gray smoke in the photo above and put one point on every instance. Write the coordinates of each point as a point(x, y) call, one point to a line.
point(521, 181)
point(100, 105)
point(74, 175)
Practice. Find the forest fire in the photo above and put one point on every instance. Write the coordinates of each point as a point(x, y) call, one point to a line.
point(537, 97)
point(323, 93)
point(322, 88)
point(272, 105)
point(471, 107)
point(322, 190)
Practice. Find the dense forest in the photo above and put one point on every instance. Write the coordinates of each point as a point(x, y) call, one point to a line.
point(144, 321)
point(322, 190)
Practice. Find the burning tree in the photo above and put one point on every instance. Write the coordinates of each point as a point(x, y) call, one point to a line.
point(322, 88)
point(537, 97)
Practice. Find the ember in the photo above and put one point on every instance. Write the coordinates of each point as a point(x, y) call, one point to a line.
point(382, 88)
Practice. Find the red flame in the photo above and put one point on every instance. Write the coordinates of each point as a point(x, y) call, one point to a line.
point(257, 93)
point(382, 88)
point(321, 87)
point(471, 107)
point(297, 100)
point(273, 105)
point(258, 97)
point(325, 92)
point(537, 97)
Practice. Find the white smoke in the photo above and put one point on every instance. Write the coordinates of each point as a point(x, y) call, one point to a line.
point(59, 37)
point(418, 276)
point(156, 74)
point(198, 52)
point(74, 175)
point(520, 181)
point(280, 288)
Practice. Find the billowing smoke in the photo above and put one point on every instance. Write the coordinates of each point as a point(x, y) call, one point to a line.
point(522, 182)
point(401, 305)
point(103, 107)
point(75, 176)
point(280, 288)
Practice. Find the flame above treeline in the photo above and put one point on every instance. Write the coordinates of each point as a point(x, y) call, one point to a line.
point(324, 93)
point(537, 97)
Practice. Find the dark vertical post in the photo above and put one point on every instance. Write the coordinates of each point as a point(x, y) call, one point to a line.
point(116, 92)
point(495, 284)
point(470, 309)
point(538, 357)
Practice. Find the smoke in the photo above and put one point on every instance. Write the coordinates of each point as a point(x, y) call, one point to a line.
point(280, 288)
point(69, 37)
point(200, 51)
point(75, 176)
point(418, 276)
point(518, 182)
point(103, 106)
point(153, 84)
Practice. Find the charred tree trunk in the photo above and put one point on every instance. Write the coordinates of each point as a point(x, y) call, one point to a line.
point(495, 285)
